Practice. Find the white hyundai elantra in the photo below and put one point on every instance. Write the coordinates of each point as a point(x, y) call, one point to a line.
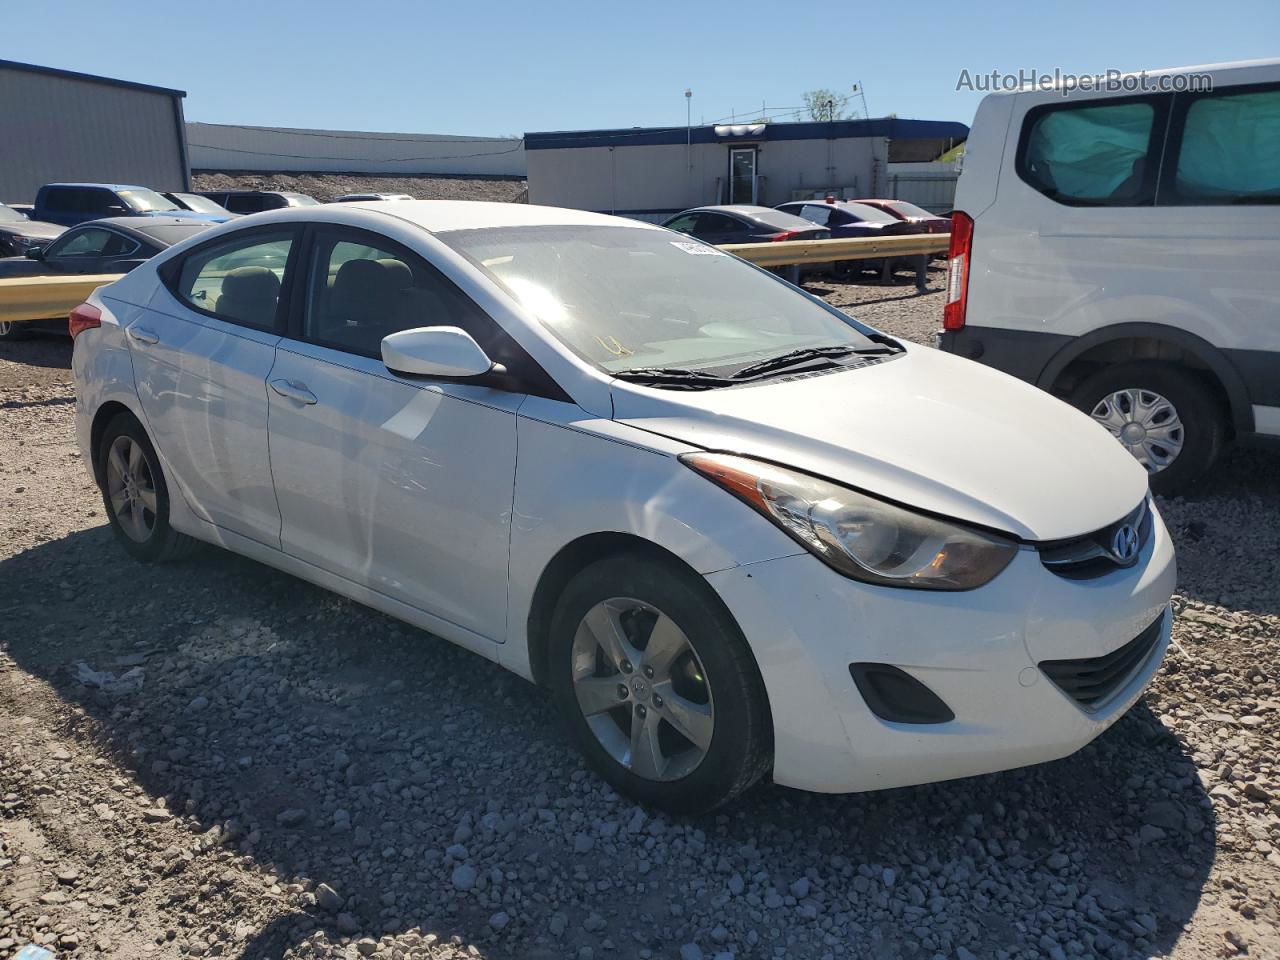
point(736, 533)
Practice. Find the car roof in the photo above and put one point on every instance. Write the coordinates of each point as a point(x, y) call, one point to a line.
point(439, 216)
point(747, 208)
point(750, 211)
point(102, 186)
point(139, 227)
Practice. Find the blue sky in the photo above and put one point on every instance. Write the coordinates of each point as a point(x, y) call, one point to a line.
point(491, 67)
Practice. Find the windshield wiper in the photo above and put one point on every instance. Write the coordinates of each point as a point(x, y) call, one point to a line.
point(803, 355)
point(676, 377)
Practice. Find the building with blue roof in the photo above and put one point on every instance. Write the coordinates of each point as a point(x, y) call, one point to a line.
point(652, 172)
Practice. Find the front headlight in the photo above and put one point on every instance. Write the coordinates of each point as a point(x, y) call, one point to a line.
point(858, 535)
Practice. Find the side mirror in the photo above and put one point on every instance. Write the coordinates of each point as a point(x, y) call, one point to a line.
point(435, 352)
point(35, 253)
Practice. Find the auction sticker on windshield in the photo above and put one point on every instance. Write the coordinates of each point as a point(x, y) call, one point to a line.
point(698, 249)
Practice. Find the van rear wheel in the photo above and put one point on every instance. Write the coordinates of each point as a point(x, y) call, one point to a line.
point(1162, 415)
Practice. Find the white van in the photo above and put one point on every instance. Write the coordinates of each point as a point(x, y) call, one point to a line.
point(1120, 248)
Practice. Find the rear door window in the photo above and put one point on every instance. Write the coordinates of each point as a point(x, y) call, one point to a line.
point(1095, 155)
point(90, 242)
point(719, 228)
point(819, 213)
point(685, 224)
point(1226, 147)
point(240, 279)
point(244, 203)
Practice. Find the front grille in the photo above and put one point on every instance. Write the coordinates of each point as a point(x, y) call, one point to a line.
point(1091, 681)
point(1089, 556)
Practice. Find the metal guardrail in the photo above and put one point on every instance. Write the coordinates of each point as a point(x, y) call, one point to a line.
point(832, 251)
point(47, 298)
point(51, 298)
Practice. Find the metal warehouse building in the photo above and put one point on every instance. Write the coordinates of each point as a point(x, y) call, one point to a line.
point(650, 173)
point(58, 125)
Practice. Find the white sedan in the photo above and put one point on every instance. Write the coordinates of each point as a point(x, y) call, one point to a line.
point(736, 533)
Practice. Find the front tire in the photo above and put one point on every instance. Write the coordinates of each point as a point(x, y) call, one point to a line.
point(1162, 415)
point(135, 495)
point(656, 685)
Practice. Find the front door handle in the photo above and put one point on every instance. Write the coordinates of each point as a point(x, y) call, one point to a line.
point(294, 391)
point(143, 335)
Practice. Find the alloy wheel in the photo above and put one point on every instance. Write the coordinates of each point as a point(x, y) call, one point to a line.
point(1146, 423)
point(131, 488)
point(642, 689)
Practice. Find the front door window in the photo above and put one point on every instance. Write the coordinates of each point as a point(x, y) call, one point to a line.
point(742, 176)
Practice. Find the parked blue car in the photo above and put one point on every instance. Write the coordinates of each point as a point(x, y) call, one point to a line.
point(72, 203)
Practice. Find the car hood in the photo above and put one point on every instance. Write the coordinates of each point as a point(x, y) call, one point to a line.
point(33, 228)
point(925, 429)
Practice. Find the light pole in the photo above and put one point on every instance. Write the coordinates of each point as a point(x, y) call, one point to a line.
point(688, 135)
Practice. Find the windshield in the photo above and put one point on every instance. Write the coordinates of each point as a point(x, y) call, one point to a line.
point(8, 215)
point(198, 204)
point(868, 214)
point(910, 209)
point(633, 298)
point(147, 201)
point(300, 200)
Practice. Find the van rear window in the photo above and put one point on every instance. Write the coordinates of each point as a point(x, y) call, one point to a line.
point(1090, 154)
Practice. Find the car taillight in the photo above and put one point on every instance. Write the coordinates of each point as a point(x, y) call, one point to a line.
point(84, 317)
point(786, 235)
point(958, 258)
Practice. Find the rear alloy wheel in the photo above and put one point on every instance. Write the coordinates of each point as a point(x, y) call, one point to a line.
point(1162, 415)
point(135, 495)
point(657, 686)
point(13, 330)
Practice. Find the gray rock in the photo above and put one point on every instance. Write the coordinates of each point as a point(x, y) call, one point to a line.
point(690, 951)
point(464, 877)
point(328, 898)
point(293, 817)
point(499, 920)
point(347, 923)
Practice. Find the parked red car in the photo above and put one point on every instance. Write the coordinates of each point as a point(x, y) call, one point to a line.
point(903, 210)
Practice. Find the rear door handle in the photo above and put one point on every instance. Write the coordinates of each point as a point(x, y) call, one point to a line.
point(143, 335)
point(294, 391)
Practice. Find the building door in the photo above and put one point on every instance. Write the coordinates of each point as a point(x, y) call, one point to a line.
point(742, 175)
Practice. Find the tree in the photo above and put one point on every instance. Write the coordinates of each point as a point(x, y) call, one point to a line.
point(825, 105)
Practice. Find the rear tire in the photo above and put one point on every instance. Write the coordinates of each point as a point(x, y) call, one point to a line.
point(135, 495)
point(674, 714)
point(13, 330)
point(1163, 415)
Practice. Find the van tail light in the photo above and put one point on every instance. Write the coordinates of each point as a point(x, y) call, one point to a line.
point(84, 317)
point(958, 259)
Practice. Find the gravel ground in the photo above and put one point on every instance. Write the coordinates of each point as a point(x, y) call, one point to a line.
point(246, 766)
point(326, 186)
